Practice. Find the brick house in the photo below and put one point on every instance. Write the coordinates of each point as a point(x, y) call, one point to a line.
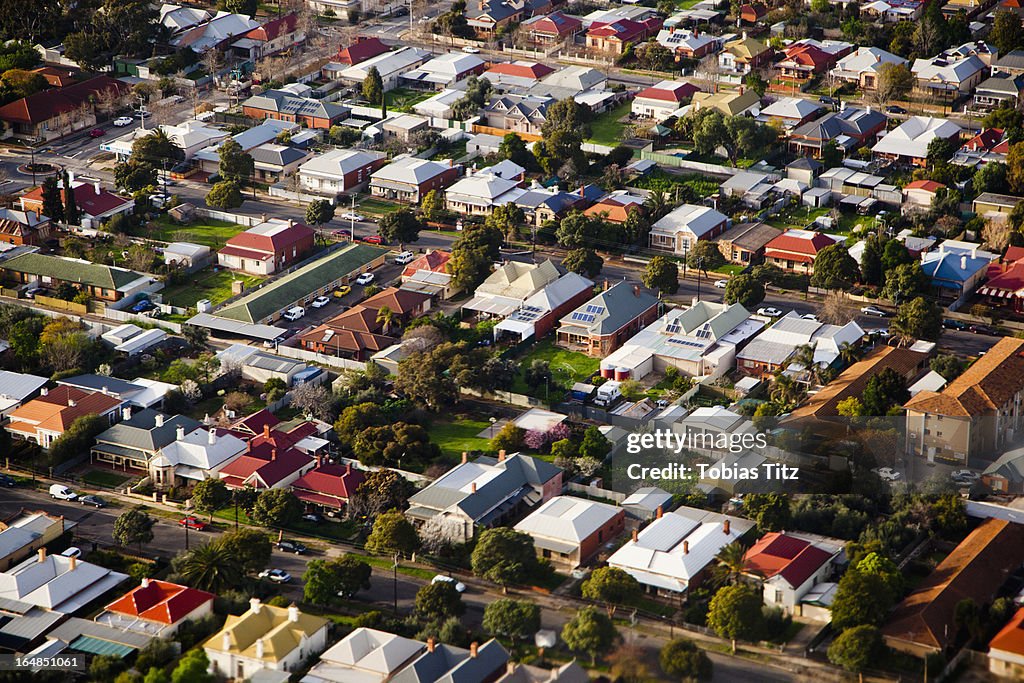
point(604, 323)
point(568, 531)
point(340, 170)
point(267, 248)
point(285, 106)
point(408, 179)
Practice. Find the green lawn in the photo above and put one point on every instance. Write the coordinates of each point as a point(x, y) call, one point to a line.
point(204, 231)
point(207, 284)
point(104, 478)
point(797, 217)
point(729, 269)
point(403, 99)
point(386, 563)
point(454, 437)
point(606, 129)
point(375, 207)
point(567, 367)
point(338, 531)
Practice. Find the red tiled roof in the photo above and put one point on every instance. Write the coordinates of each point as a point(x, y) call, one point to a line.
point(624, 29)
point(809, 55)
point(241, 252)
point(58, 78)
point(359, 318)
point(274, 28)
point(797, 248)
point(338, 482)
point(778, 554)
point(399, 301)
point(361, 50)
point(680, 93)
point(1013, 254)
point(254, 423)
point(276, 243)
point(1011, 638)
point(556, 24)
point(985, 140)
point(88, 199)
point(436, 262)
point(269, 471)
point(160, 601)
point(525, 70)
point(347, 340)
point(43, 106)
point(926, 185)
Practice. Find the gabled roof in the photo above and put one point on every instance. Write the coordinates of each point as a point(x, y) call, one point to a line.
point(803, 244)
point(398, 301)
point(410, 170)
point(274, 28)
point(361, 50)
point(699, 220)
point(912, 136)
point(280, 636)
point(555, 24)
point(612, 309)
point(985, 386)
point(791, 108)
point(952, 266)
point(273, 236)
point(926, 185)
point(336, 481)
point(160, 601)
point(867, 59)
point(750, 236)
point(568, 519)
point(669, 91)
point(791, 558)
point(746, 48)
point(45, 105)
point(435, 261)
point(520, 69)
point(140, 431)
point(1011, 638)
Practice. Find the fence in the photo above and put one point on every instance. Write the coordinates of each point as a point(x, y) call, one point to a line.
point(237, 218)
point(501, 132)
point(583, 58)
point(126, 317)
point(320, 358)
point(521, 400)
point(683, 163)
point(596, 492)
point(61, 304)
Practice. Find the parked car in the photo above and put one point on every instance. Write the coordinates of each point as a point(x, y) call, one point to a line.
point(32, 291)
point(721, 284)
point(294, 313)
point(875, 311)
point(143, 306)
point(314, 517)
point(61, 492)
point(123, 121)
point(887, 473)
point(769, 311)
point(7, 480)
point(405, 257)
point(291, 547)
point(895, 109)
point(352, 216)
point(809, 316)
point(441, 578)
point(825, 99)
point(276, 575)
point(964, 476)
point(95, 501)
point(97, 133)
point(320, 302)
point(469, 49)
point(343, 234)
point(73, 551)
point(342, 291)
point(951, 324)
point(191, 522)
point(373, 239)
point(364, 279)
point(984, 329)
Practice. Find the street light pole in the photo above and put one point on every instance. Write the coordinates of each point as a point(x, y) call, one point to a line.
point(394, 568)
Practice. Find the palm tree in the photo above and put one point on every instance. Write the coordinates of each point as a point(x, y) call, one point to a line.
point(784, 390)
point(656, 204)
point(804, 356)
point(212, 568)
point(385, 318)
point(849, 353)
point(730, 564)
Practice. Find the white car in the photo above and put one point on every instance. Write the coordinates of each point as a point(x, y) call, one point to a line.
point(441, 578)
point(61, 492)
point(720, 284)
point(364, 279)
point(964, 476)
point(350, 216)
point(887, 474)
point(405, 257)
point(469, 49)
point(72, 552)
point(874, 310)
point(123, 121)
point(294, 313)
point(320, 302)
point(275, 575)
point(769, 311)
point(809, 316)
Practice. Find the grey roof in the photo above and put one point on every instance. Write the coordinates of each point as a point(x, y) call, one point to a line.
point(1004, 85)
point(1010, 466)
point(997, 199)
point(447, 664)
point(648, 498)
point(74, 627)
point(806, 163)
point(851, 121)
point(140, 432)
point(750, 236)
point(276, 154)
point(284, 102)
point(1011, 60)
point(612, 309)
point(33, 624)
point(18, 386)
point(112, 385)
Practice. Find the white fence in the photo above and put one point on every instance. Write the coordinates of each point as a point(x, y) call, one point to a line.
point(127, 317)
point(237, 218)
point(597, 492)
point(320, 358)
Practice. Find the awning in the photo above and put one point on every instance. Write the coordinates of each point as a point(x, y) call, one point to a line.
point(491, 305)
point(656, 580)
point(521, 327)
point(97, 646)
point(318, 499)
point(555, 546)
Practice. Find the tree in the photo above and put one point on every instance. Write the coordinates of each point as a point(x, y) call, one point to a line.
point(314, 400)
point(594, 444)
point(514, 149)
point(250, 547)
point(224, 195)
point(508, 438)
point(504, 556)
point(78, 438)
point(756, 82)
point(506, 219)
point(373, 86)
point(276, 508)
point(133, 526)
point(72, 214)
point(862, 598)
point(319, 212)
point(236, 165)
point(537, 373)
point(583, 261)
point(400, 226)
point(744, 289)
point(438, 601)
point(769, 510)
point(855, 648)
point(590, 631)
point(949, 366)
point(834, 268)
point(1015, 167)
point(918, 319)
point(382, 490)
point(735, 613)
point(155, 149)
point(940, 150)
point(52, 204)
point(991, 178)
point(612, 586)
point(325, 580)
point(894, 82)
point(1006, 34)
point(105, 668)
point(134, 177)
point(472, 255)
point(880, 565)
point(210, 495)
point(661, 274)
point(871, 272)
point(192, 668)
point(516, 619)
point(681, 658)
point(905, 282)
point(432, 206)
point(851, 407)
point(212, 567)
point(895, 254)
point(705, 255)
point(392, 533)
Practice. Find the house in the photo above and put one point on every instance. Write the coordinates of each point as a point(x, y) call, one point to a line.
point(282, 105)
point(608, 320)
point(680, 229)
point(570, 672)
point(1011, 64)
point(540, 312)
point(908, 143)
point(157, 608)
point(258, 366)
point(390, 66)
point(955, 271)
point(995, 207)
point(862, 66)
point(990, 144)
point(57, 583)
point(58, 111)
point(644, 503)
point(744, 54)
point(998, 91)
point(1005, 476)
point(752, 13)
point(44, 419)
point(485, 17)
point(616, 206)
point(354, 334)
point(218, 33)
point(729, 103)
point(569, 531)
point(267, 132)
point(404, 127)
point(805, 170)
point(484, 493)
point(574, 79)
point(974, 415)
point(141, 392)
point(976, 570)
point(849, 128)
point(479, 193)
point(138, 438)
point(409, 179)
point(434, 261)
point(714, 431)
point(267, 248)
point(186, 255)
point(662, 100)
point(1006, 649)
point(340, 170)
point(508, 287)
point(1005, 284)
point(193, 456)
point(106, 283)
point(521, 114)
point(517, 75)
point(687, 44)
point(672, 554)
point(919, 195)
point(16, 388)
point(789, 112)
point(788, 566)
point(20, 228)
point(541, 204)
point(698, 341)
point(95, 204)
point(268, 463)
point(444, 71)
point(328, 487)
point(745, 243)
point(439, 106)
point(24, 532)
point(807, 58)
point(948, 77)
point(613, 36)
point(772, 350)
point(552, 29)
point(265, 637)
point(364, 48)
point(273, 163)
point(795, 250)
point(403, 305)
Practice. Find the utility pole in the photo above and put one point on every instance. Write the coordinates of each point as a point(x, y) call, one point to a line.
point(394, 568)
point(700, 267)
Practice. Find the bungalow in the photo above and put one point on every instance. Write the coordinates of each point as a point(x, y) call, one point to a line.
point(608, 320)
point(795, 250)
point(484, 493)
point(403, 305)
point(574, 80)
point(390, 66)
point(850, 128)
point(444, 71)
point(16, 388)
point(57, 583)
point(995, 206)
point(138, 393)
point(56, 112)
point(440, 105)
point(157, 608)
point(662, 100)
point(612, 37)
point(672, 554)
point(266, 464)
point(521, 114)
point(20, 228)
point(24, 532)
point(539, 313)
point(272, 163)
point(789, 112)
point(735, 103)
point(745, 243)
point(616, 206)
point(487, 16)
point(541, 204)
point(364, 48)
point(1005, 285)
point(863, 65)
point(328, 487)
point(518, 74)
point(752, 13)
point(947, 79)
point(908, 143)
point(993, 92)
point(267, 132)
point(353, 335)
point(282, 105)
point(258, 366)
point(919, 195)
point(679, 230)
point(1006, 649)
point(893, 11)
point(687, 44)
point(1011, 64)
point(478, 194)
point(276, 35)
point(552, 29)
point(807, 58)
point(340, 170)
point(409, 179)
point(788, 566)
point(434, 261)
point(106, 283)
point(772, 350)
point(45, 419)
point(568, 531)
point(508, 287)
point(743, 55)
point(990, 144)
point(190, 137)
point(193, 457)
point(137, 439)
point(954, 271)
point(267, 248)
point(95, 204)
point(404, 127)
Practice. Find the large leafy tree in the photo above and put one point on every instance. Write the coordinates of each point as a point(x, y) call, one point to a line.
point(682, 659)
point(373, 86)
point(905, 282)
point(735, 613)
point(236, 164)
point(661, 274)
point(705, 255)
point(855, 648)
point(473, 253)
point(276, 508)
point(504, 556)
point(392, 533)
point(382, 490)
point(583, 261)
point(871, 262)
point(210, 495)
point(251, 547)
point(133, 526)
point(590, 631)
point(918, 319)
point(612, 586)
point(566, 126)
point(506, 219)
point(78, 438)
point(400, 226)
point(834, 268)
point(883, 391)
point(1006, 34)
point(134, 176)
point(319, 212)
point(516, 619)
point(439, 601)
point(744, 289)
point(325, 580)
point(769, 510)
point(224, 195)
point(862, 598)
point(894, 254)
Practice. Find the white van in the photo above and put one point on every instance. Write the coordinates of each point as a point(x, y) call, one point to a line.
point(294, 313)
point(405, 257)
point(62, 492)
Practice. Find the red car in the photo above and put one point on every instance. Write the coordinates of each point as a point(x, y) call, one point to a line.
point(372, 239)
point(97, 133)
point(193, 523)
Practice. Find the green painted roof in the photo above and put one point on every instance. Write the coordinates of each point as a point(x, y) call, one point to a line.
point(271, 298)
point(98, 646)
point(71, 270)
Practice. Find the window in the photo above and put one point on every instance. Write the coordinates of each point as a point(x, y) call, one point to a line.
point(778, 596)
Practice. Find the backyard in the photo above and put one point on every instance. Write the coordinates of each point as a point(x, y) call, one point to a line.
point(207, 231)
point(606, 128)
point(403, 99)
point(567, 367)
point(456, 436)
point(373, 206)
point(213, 284)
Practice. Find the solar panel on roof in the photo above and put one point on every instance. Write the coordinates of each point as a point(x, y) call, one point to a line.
point(591, 308)
point(584, 317)
point(673, 328)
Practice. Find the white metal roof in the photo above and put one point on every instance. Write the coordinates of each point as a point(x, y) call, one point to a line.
point(568, 519)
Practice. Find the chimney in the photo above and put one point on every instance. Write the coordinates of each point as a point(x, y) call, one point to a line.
point(465, 457)
point(725, 526)
point(212, 438)
point(744, 35)
point(145, 582)
point(71, 403)
point(290, 222)
point(963, 262)
point(741, 89)
point(501, 455)
point(472, 487)
point(606, 285)
point(254, 605)
point(71, 177)
point(293, 613)
point(974, 252)
point(510, 667)
point(96, 186)
point(273, 453)
point(225, 641)
point(659, 513)
point(180, 433)
point(126, 413)
point(686, 547)
point(472, 649)
point(451, 164)
point(42, 555)
point(319, 461)
point(636, 536)
point(636, 290)
point(266, 431)
point(159, 420)
point(259, 648)
point(44, 391)
point(348, 468)
point(72, 563)
point(105, 391)
point(581, 190)
point(430, 644)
